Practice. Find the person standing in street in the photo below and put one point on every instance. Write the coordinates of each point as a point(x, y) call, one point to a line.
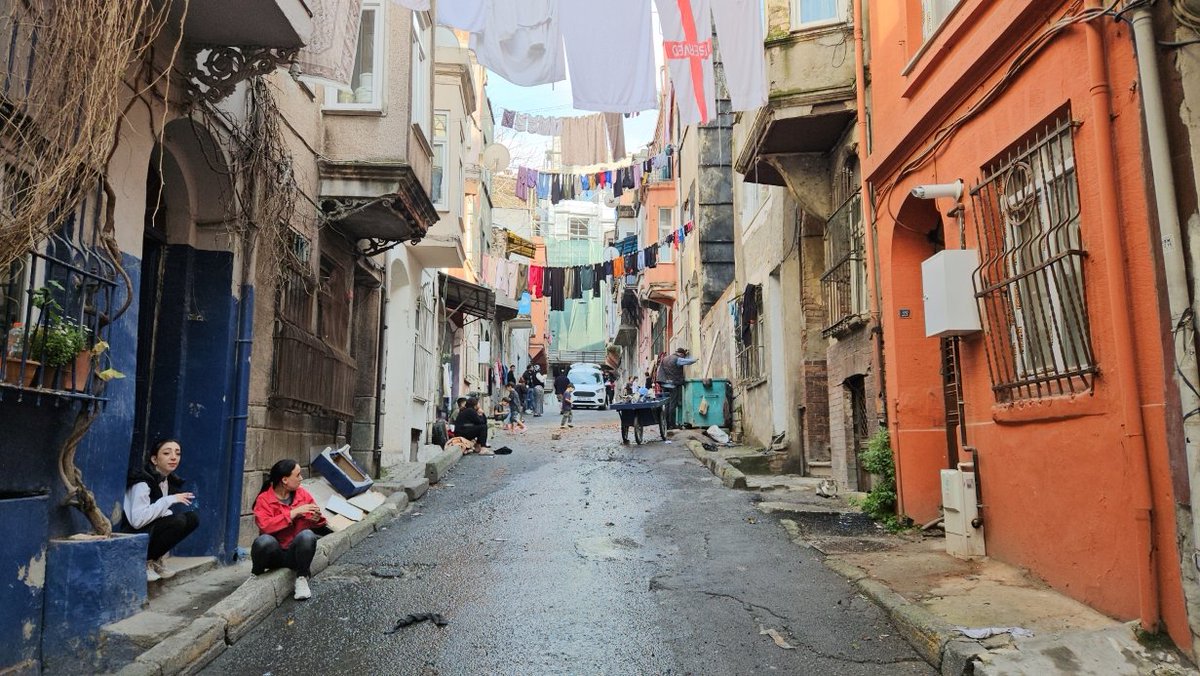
point(670, 378)
point(511, 378)
point(561, 381)
point(539, 391)
point(610, 386)
point(568, 398)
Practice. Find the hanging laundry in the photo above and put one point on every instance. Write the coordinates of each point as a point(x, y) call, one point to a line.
point(587, 277)
point(521, 122)
point(687, 44)
point(328, 57)
point(611, 52)
point(414, 5)
point(641, 259)
point(554, 287)
point(543, 186)
point(525, 304)
point(467, 15)
point(618, 264)
point(740, 31)
point(598, 275)
point(652, 256)
point(536, 273)
point(614, 127)
point(522, 41)
point(507, 119)
point(584, 141)
point(522, 279)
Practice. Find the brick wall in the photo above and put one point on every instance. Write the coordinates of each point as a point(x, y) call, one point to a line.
point(848, 357)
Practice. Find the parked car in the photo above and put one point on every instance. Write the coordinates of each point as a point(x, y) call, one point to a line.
point(589, 387)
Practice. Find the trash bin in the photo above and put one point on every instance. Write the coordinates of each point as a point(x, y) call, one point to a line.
point(693, 411)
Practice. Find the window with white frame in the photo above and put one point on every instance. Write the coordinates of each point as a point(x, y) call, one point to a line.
point(366, 82)
point(422, 71)
point(578, 228)
point(441, 179)
point(753, 197)
point(933, 13)
point(666, 224)
point(808, 13)
point(1030, 282)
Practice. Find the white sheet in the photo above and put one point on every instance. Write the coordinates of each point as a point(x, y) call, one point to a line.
point(740, 32)
point(610, 51)
point(695, 104)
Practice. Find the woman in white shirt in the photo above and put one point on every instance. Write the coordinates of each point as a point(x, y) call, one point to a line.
point(152, 497)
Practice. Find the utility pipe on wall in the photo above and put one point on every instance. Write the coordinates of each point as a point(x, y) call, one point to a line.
point(1127, 386)
point(1174, 262)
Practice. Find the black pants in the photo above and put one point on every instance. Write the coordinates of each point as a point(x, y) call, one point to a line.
point(674, 394)
point(266, 554)
point(167, 531)
point(472, 433)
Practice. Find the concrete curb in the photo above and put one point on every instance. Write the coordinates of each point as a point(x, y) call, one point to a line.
point(729, 475)
point(934, 640)
point(440, 464)
point(199, 643)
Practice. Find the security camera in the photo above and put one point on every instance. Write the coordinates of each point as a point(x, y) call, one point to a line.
point(938, 190)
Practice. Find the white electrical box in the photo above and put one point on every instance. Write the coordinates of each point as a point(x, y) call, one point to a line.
point(949, 293)
point(958, 504)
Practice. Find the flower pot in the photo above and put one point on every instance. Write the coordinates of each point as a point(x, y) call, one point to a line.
point(15, 374)
point(73, 377)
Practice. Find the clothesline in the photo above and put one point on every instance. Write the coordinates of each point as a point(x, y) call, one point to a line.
point(567, 185)
point(526, 282)
point(529, 123)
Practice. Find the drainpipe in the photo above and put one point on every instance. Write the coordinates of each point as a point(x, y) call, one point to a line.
point(239, 407)
point(380, 357)
point(1182, 308)
point(1134, 440)
point(875, 299)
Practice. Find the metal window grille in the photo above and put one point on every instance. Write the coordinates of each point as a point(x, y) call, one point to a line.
point(844, 283)
point(751, 360)
point(1030, 281)
point(77, 281)
point(333, 306)
point(425, 360)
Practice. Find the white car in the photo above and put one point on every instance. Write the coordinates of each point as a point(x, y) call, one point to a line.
point(589, 388)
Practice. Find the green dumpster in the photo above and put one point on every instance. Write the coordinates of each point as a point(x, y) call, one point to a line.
point(713, 397)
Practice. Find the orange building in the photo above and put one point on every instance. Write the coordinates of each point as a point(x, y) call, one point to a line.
point(1064, 390)
point(657, 286)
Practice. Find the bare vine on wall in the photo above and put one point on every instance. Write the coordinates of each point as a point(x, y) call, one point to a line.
point(60, 103)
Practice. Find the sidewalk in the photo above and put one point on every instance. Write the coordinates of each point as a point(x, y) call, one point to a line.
point(929, 594)
point(193, 618)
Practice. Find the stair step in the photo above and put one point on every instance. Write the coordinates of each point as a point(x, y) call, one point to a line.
point(185, 568)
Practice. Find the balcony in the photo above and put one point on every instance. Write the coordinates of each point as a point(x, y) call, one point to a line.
point(381, 202)
point(442, 246)
point(229, 41)
point(811, 103)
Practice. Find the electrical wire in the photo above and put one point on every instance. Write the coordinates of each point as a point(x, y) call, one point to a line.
point(1023, 58)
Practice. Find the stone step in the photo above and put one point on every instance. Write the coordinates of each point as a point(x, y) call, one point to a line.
point(185, 568)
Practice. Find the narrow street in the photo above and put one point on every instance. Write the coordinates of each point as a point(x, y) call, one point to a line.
point(578, 556)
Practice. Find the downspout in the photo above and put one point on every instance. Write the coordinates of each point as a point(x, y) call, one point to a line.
point(1182, 311)
point(1134, 439)
point(380, 356)
point(867, 200)
point(239, 407)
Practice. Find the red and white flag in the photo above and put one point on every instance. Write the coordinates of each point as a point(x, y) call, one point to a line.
point(687, 44)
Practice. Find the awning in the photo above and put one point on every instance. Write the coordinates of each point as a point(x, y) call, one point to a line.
point(519, 245)
point(464, 299)
point(506, 308)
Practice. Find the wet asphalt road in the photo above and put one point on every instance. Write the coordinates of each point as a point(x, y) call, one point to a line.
point(578, 556)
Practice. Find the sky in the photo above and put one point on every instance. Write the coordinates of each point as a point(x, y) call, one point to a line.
point(555, 99)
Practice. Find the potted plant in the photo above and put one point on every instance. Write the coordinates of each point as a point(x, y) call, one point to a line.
point(59, 341)
point(19, 368)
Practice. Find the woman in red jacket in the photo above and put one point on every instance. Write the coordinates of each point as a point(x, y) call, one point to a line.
point(285, 514)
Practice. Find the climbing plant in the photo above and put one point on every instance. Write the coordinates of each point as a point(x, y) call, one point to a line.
point(880, 502)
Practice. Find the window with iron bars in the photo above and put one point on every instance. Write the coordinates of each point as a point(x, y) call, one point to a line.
point(844, 283)
point(1030, 283)
point(748, 333)
point(57, 303)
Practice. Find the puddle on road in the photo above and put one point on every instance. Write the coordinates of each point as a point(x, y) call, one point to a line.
point(601, 548)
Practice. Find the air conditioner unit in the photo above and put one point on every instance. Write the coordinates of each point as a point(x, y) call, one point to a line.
point(958, 503)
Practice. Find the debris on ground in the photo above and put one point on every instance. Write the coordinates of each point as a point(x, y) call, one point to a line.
point(778, 639)
point(416, 618)
point(988, 632)
point(717, 434)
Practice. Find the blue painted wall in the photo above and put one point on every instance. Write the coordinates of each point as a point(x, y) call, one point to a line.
point(22, 580)
point(89, 583)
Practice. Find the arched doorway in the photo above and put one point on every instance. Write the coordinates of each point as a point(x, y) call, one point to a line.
point(187, 330)
point(914, 363)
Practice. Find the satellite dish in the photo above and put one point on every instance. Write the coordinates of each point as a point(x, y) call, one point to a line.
point(610, 200)
point(496, 157)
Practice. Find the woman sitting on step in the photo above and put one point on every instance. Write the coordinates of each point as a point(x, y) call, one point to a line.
point(472, 425)
point(286, 514)
point(155, 504)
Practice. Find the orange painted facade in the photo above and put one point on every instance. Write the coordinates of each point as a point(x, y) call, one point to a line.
point(657, 284)
point(539, 313)
point(1059, 474)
